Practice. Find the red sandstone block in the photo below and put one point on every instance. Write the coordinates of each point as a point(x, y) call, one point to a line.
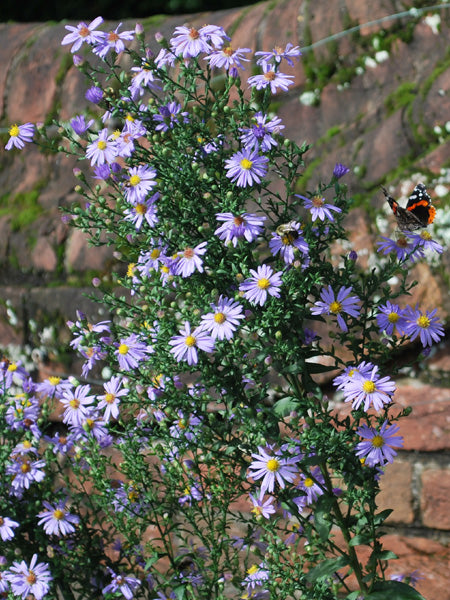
point(396, 492)
point(434, 501)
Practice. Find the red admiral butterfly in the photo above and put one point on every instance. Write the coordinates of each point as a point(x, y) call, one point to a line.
point(419, 211)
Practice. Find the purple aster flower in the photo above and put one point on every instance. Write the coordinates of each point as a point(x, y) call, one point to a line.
point(79, 125)
point(94, 94)
point(278, 54)
point(246, 167)
point(140, 181)
point(378, 449)
point(169, 115)
point(53, 386)
point(61, 442)
point(56, 520)
point(189, 42)
point(145, 209)
point(227, 58)
point(189, 260)
point(102, 150)
point(259, 135)
point(425, 241)
point(153, 259)
point(83, 33)
point(271, 78)
point(318, 207)
point(364, 369)
point(25, 471)
point(6, 528)
point(312, 485)
point(288, 241)
point(340, 170)
point(235, 227)
point(111, 399)
point(261, 507)
point(125, 584)
point(223, 321)
point(263, 281)
point(33, 579)
point(256, 576)
point(186, 426)
point(390, 317)
point(131, 351)
point(271, 466)
point(424, 325)
point(185, 345)
point(19, 135)
point(403, 247)
point(143, 77)
point(343, 303)
point(76, 404)
point(113, 40)
point(370, 389)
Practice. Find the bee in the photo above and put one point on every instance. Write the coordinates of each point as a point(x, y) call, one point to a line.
point(288, 232)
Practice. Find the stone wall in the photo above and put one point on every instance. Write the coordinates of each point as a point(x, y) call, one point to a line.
point(381, 105)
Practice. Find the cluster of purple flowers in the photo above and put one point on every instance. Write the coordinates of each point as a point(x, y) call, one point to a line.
point(410, 322)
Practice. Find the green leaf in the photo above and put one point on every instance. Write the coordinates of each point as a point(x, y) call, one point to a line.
point(394, 590)
point(322, 521)
point(327, 568)
point(362, 539)
point(285, 406)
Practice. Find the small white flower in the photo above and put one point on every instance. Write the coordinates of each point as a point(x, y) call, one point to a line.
point(381, 56)
point(433, 22)
point(370, 62)
point(308, 98)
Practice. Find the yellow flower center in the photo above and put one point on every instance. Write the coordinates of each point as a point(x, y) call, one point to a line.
point(246, 164)
point(155, 253)
point(109, 398)
point(393, 317)
point(273, 465)
point(377, 441)
point(220, 318)
point(308, 482)
point(317, 201)
point(123, 349)
point(27, 444)
point(130, 270)
point(101, 145)
point(423, 322)
point(12, 367)
point(228, 51)
point(190, 341)
point(253, 569)
point(31, 578)
point(263, 283)
point(113, 37)
point(14, 131)
point(335, 307)
point(83, 31)
point(140, 209)
point(369, 387)
point(425, 235)
point(53, 380)
point(135, 180)
point(74, 403)
point(58, 514)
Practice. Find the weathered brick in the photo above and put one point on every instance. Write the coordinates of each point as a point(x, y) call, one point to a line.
point(435, 495)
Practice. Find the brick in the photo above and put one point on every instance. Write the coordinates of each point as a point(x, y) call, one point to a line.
point(396, 492)
point(434, 501)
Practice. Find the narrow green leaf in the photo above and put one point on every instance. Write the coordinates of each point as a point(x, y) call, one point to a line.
point(394, 590)
point(327, 568)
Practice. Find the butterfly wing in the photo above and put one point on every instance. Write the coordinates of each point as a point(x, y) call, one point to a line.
point(419, 204)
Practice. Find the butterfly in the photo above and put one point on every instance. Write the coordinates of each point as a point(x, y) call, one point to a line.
point(419, 211)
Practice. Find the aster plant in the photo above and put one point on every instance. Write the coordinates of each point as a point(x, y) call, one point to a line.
point(226, 306)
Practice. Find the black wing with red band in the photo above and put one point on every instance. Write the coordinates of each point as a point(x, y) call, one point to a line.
point(419, 211)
